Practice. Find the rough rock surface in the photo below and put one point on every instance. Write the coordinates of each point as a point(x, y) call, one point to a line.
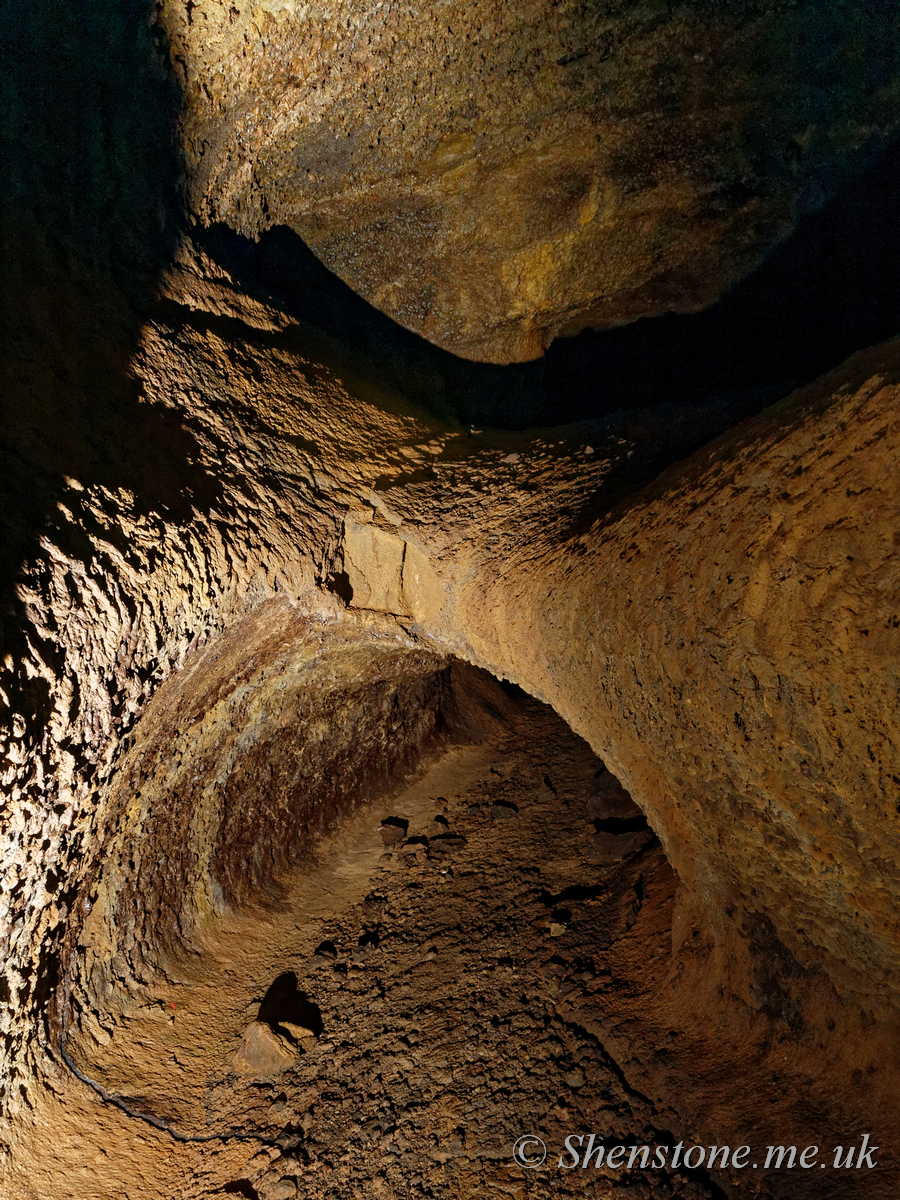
point(494, 174)
point(460, 998)
point(240, 575)
point(523, 559)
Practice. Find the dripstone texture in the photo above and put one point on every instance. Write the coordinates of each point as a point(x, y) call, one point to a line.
point(492, 175)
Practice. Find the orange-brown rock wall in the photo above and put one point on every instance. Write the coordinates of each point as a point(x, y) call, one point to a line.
point(765, 764)
point(729, 641)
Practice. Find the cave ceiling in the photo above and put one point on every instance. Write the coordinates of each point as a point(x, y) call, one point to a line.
point(450, 597)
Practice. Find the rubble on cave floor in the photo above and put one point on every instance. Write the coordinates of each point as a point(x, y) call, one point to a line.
point(411, 1011)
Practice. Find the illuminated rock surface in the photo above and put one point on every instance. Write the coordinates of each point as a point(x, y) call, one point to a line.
point(298, 896)
point(492, 175)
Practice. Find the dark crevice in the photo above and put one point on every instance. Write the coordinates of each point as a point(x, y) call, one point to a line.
point(617, 825)
point(284, 1003)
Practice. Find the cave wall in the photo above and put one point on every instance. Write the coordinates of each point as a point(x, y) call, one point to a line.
point(728, 639)
point(185, 457)
point(532, 587)
point(243, 762)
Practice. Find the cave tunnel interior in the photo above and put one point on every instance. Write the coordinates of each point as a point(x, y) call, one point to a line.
point(473, 860)
point(389, 909)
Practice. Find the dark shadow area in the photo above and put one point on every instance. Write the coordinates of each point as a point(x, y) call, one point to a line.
point(90, 212)
point(88, 133)
point(828, 291)
point(617, 825)
point(241, 1187)
point(284, 1003)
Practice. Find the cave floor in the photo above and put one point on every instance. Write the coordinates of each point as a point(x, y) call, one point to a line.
point(453, 987)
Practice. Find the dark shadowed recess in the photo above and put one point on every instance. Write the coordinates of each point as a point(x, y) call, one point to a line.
point(285, 1002)
point(89, 214)
point(828, 291)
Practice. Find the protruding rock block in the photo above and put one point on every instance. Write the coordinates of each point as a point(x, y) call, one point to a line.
point(263, 1052)
point(388, 574)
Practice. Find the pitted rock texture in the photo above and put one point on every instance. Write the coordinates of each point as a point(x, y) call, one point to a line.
point(448, 980)
point(281, 871)
point(494, 174)
point(201, 461)
point(793, 600)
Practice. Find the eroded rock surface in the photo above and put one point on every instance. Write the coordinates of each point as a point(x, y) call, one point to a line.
point(536, 569)
point(494, 174)
point(460, 995)
point(240, 567)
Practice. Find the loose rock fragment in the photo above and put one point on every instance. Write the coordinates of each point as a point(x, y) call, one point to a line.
point(446, 843)
point(393, 830)
point(262, 1052)
point(503, 810)
point(284, 1189)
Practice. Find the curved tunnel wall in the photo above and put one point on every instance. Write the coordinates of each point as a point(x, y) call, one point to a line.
point(728, 641)
point(239, 766)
